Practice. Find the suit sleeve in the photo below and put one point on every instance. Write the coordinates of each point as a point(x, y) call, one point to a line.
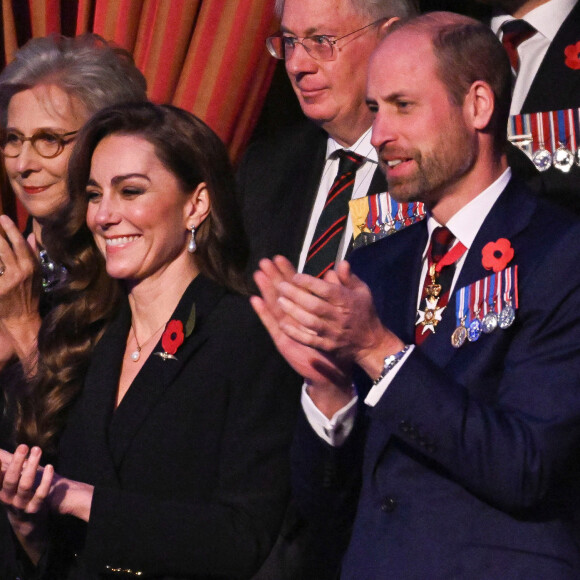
point(231, 532)
point(506, 425)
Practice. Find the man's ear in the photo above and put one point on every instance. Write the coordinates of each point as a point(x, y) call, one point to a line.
point(198, 206)
point(479, 105)
point(386, 26)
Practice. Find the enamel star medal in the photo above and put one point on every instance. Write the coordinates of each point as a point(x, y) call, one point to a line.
point(431, 316)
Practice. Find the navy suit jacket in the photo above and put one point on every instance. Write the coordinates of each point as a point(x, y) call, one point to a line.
point(278, 180)
point(471, 464)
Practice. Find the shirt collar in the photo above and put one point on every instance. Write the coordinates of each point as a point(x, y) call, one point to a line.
point(546, 19)
point(361, 147)
point(465, 224)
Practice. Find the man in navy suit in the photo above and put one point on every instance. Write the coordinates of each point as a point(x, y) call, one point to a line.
point(462, 448)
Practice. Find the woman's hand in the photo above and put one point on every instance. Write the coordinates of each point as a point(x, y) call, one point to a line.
point(24, 489)
point(19, 292)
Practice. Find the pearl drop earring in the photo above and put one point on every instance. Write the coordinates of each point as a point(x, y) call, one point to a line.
point(192, 246)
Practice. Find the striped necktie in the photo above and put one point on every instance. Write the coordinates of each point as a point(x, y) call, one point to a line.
point(324, 247)
point(514, 33)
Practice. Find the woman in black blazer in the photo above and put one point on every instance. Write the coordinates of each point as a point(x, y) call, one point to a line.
point(170, 411)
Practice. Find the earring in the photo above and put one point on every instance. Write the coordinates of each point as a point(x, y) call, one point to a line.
point(192, 246)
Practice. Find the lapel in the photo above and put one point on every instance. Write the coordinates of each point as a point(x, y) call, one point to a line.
point(89, 420)
point(508, 218)
point(556, 86)
point(157, 374)
point(378, 182)
point(304, 172)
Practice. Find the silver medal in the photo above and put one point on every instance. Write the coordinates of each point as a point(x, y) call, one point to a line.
point(542, 159)
point(489, 322)
point(563, 159)
point(507, 316)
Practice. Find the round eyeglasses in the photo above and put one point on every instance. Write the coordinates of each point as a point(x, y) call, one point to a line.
point(318, 46)
point(46, 143)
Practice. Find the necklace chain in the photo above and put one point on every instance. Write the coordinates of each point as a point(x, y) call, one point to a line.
point(136, 354)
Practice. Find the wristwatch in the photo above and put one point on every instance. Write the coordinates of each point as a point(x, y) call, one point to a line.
point(390, 362)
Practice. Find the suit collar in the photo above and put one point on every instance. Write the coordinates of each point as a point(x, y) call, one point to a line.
point(154, 378)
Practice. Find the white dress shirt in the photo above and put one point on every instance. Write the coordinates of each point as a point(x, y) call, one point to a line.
point(546, 19)
point(464, 225)
point(362, 182)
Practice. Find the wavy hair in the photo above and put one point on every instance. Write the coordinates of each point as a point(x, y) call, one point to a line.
point(87, 68)
point(94, 74)
point(189, 149)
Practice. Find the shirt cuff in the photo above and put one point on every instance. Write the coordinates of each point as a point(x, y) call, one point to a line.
point(378, 390)
point(335, 430)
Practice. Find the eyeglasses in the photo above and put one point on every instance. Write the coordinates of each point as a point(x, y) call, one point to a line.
point(46, 143)
point(319, 46)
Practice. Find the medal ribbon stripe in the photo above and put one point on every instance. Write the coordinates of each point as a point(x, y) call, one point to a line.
point(552, 129)
point(572, 128)
point(535, 132)
point(563, 135)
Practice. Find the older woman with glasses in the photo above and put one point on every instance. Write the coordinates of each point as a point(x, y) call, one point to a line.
point(47, 93)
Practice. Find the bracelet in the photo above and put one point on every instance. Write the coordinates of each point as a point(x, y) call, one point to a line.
point(390, 362)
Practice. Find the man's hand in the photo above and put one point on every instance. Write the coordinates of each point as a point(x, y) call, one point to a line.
point(330, 382)
point(335, 315)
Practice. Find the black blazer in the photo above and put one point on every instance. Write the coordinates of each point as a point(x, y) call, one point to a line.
point(278, 180)
point(190, 471)
point(557, 86)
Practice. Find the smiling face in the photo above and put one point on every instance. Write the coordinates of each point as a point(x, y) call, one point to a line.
point(331, 93)
point(424, 143)
point(38, 182)
point(138, 212)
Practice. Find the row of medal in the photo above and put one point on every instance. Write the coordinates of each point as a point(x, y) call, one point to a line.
point(549, 139)
point(485, 305)
point(379, 215)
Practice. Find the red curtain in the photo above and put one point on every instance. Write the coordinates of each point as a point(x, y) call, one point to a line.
point(206, 56)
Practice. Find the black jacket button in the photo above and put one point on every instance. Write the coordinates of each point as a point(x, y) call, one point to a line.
point(388, 505)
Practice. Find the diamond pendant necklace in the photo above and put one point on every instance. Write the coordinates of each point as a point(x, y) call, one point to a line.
point(136, 354)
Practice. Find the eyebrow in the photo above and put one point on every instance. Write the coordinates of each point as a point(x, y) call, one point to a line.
point(119, 179)
point(309, 31)
point(49, 129)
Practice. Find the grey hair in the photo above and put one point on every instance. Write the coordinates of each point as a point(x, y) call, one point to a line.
point(374, 9)
point(88, 68)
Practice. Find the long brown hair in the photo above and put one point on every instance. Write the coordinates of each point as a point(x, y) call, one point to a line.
point(86, 303)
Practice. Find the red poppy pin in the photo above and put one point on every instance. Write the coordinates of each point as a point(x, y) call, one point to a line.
point(174, 335)
point(497, 255)
point(572, 53)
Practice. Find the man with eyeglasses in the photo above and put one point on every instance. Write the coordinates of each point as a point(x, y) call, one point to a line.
point(288, 182)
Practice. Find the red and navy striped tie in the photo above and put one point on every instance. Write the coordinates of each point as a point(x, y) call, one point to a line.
point(324, 247)
point(514, 33)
